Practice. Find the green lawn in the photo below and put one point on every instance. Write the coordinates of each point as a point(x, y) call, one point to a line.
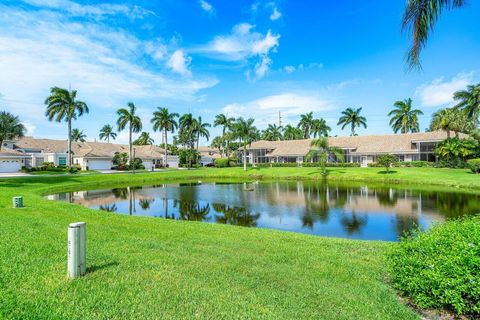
point(152, 268)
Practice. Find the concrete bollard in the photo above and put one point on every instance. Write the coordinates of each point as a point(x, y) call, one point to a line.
point(77, 257)
point(17, 202)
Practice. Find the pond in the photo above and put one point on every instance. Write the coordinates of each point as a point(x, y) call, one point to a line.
point(318, 208)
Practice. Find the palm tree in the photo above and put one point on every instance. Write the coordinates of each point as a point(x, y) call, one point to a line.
point(403, 117)
point(353, 118)
point(469, 101)
point(320, 128)
point(306, 123)
point(292, 133)
point(218, 143)
point(164, 120)
point(107, 132)
point(144, 139)
point(62, 105)
point(128, 117)
point(186, 132)
point(226, 123)
point(273, 133)
point(321, 150)
point(200, 129)
point(246, 132)
point(419, 17)
point(10, 127)
point(450, 119)
point(78, 135)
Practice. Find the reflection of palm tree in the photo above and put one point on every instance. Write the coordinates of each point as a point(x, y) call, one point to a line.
point(316, 209)
point(121, 193)
point(387, 197)
point(353, 223)
point(192, 211)
point(235, 216)
point(108, 208)
point(145, 203)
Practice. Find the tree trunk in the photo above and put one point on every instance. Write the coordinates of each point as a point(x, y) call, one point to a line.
point(245, 157)
point(1, 144)
point(69, 141)
point(165, 145)
point(108, 139)
point(130, 160)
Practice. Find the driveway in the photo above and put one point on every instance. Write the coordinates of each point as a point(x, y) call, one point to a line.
point(14, 174)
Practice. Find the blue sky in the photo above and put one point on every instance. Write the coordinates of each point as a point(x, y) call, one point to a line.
point(244, 58)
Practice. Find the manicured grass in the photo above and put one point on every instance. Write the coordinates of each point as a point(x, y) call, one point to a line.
point(151, 268)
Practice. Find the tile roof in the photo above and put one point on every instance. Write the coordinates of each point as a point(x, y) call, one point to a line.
point(87, 149)
point(389, 143)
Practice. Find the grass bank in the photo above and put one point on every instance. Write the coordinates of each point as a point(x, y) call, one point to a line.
point(152, 268)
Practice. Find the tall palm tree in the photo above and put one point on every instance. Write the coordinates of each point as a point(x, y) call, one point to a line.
point(107, 132)
point(273, 133)
point(353, 118)
point(320, 128)
point(128, 117)
point(200, 129)
point(306, 123)
point(63, 105)
point(403, 118)
point(469, 101)
point(226, 123)
point(246, 132)
point(164, 120)
point(292, 133)
point(144, 139)
point(450, 119)
point(10, 127)
point(78, 135)
point(419, 18)
point(321, 150)
point(186, 132)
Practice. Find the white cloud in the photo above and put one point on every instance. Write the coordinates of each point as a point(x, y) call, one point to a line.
point(179, 63)
point(275, 14)
point(108, 66)
point(244, 45)
point(289, 69)
point(30, 128)
point(290, 104)
point(439, 92)
point(98, 10)
point(207, 7)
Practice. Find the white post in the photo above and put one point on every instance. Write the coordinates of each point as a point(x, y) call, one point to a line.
point(77, 250)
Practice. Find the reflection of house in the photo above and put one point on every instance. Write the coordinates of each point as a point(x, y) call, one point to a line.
point(87, 155)
point(208, 155)
point(360, 149)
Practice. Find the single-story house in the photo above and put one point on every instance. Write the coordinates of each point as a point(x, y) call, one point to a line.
point(87, 155)
point(208, 155)
point(11, 160)
point(359, 149)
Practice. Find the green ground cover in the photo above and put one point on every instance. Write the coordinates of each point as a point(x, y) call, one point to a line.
point(152, 268)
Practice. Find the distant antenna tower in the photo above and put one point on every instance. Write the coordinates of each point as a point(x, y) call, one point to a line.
point(279, 118)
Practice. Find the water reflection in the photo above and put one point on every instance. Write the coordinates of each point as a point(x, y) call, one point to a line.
point(349, 211)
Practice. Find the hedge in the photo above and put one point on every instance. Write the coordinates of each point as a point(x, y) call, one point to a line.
point(474, 165)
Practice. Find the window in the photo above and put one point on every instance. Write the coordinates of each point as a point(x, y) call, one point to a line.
point(62, 161)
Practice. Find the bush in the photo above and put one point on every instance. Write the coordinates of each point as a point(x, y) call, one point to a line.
point(455, 163)
point(224, 163)
point(474, 165)
point(387, 160)
point(439, 268)
point(415, 164)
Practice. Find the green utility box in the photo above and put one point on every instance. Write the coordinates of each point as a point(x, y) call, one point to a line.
point(17, 202)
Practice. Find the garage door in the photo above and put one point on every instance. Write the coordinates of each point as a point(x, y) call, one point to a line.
point(148, 165)
point(99, 165)
point(10, 165)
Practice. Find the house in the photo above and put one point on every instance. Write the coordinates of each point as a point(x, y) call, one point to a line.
point(208, 155)
point(11, 160)
point(87, 155)
point(359, 149)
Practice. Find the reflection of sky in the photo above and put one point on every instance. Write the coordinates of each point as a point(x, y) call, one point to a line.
point(286, 206)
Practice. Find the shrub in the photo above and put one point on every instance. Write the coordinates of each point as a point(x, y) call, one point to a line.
point(439, 268)
point(223, 163)
point(387, 160)
point(455, 163)
point(415, 164)
point(474, 165)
